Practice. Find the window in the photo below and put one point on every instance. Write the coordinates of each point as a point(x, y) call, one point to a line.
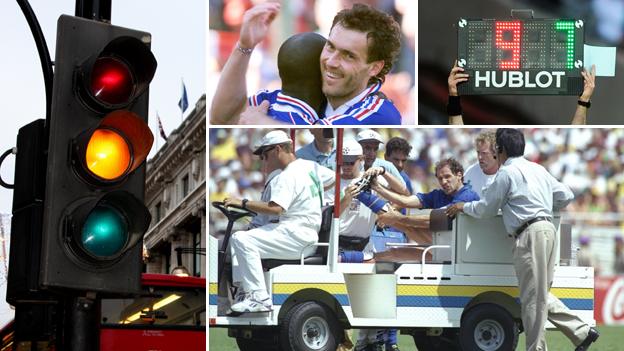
point(158, 213)
point(158, 306)
point(185, 186)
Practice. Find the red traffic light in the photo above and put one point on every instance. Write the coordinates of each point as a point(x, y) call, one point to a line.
point(117, 75)
point(112, 81)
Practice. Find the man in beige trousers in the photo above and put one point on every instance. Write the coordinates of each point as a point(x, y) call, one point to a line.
point(527, 195)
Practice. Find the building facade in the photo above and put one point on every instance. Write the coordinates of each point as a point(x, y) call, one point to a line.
point(175, 193)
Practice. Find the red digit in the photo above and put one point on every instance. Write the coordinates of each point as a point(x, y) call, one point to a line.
point(515, 27)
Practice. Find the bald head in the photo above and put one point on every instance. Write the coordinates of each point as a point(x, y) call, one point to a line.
point(298, 60)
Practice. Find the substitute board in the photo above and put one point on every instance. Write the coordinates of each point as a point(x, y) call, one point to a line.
point(521, 56)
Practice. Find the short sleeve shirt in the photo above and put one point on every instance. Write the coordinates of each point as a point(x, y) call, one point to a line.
point(284, 108)
point(438, 199)
point(299, 191)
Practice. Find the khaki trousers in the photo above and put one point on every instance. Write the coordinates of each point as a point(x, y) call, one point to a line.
point(534, 261)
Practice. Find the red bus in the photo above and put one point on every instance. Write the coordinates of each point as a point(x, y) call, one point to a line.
point(168, 315)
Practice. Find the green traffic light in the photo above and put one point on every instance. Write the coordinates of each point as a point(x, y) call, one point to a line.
point(105, 232)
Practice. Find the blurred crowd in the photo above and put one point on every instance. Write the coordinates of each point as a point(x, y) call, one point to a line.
point(308, 16)
point(589, 161)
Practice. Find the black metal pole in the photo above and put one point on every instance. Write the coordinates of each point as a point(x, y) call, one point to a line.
point(98, 10)
point(224, 247)
point(83, 324)
point(44, 54)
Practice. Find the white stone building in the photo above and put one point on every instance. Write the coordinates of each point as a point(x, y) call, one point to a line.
point(175, 193)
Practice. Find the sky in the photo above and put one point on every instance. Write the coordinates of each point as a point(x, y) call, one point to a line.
point(178, 37)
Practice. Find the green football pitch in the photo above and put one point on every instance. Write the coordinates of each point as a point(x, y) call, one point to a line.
point(611, 339)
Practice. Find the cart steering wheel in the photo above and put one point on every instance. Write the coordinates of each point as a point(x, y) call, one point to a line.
point(233, 212)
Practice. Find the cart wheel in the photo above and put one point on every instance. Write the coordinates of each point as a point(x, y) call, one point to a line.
point(447, 341)
point(310, 326)
point(488, 327)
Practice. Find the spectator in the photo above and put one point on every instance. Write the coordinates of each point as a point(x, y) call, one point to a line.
point(321, 150)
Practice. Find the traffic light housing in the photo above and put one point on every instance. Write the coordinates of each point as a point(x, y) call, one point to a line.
point(94, 217)
point(28, 195)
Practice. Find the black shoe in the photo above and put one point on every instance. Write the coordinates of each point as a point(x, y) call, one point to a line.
point(592, 336)
point(230, 313)
point(374, 347)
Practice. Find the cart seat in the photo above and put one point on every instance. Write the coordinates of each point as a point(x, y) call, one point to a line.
point(320, 256)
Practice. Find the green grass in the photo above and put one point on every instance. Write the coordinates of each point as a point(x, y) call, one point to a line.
point(611, 339)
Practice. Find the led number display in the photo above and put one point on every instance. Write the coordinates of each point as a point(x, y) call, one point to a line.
point(521, 56)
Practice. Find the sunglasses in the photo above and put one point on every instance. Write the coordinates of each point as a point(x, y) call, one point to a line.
point(263, 154)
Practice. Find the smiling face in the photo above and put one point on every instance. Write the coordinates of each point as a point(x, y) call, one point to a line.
point(344, 68)
point(449, 182)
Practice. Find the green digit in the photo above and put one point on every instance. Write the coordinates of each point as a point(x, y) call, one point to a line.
point(568, 28)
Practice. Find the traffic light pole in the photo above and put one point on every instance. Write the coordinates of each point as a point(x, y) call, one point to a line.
point(42, 49)
point(82, 329)
point(98, 10)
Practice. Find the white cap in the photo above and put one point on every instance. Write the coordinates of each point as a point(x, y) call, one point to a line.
point(369, 135)
point(223, 173)
point(351, 150)
point(256, 177)
point(236, 166)
point(274, 137)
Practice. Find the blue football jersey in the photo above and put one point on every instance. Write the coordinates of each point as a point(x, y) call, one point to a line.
point(438, 199)
point(285, 108)
point(372, 109)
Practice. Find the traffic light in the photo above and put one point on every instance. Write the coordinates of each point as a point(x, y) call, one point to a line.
point(28, 194)
point(94, 217)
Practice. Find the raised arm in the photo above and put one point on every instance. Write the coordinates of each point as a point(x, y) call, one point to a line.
point(454, 108)
point(403, 201)
point(394, 184)
point(580, 115)
point(403, 222)
point(231, 94)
